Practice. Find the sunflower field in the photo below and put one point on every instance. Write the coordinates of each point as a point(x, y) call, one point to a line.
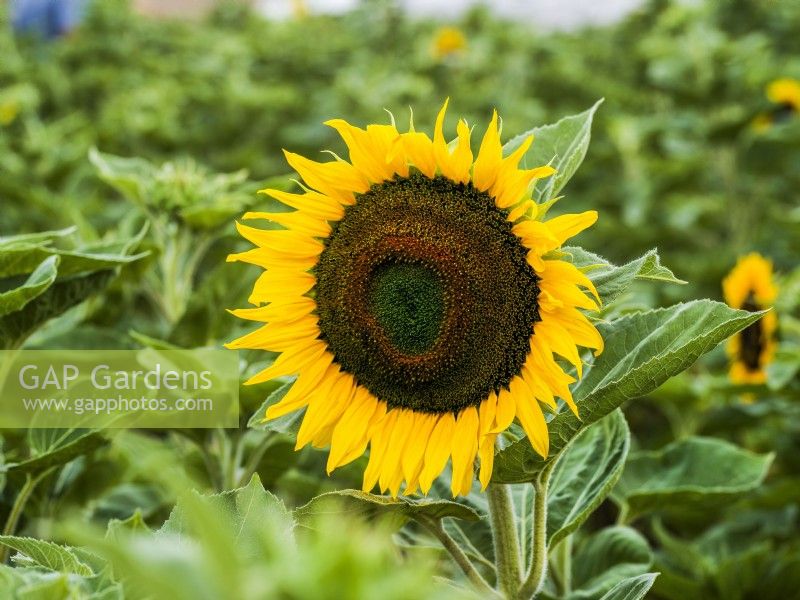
point(504, 313)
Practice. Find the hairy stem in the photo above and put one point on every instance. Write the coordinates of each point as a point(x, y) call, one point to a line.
point(504, 536)
point(461, 559)
point(534, 581)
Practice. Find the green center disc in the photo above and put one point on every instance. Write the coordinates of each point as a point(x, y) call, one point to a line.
point(407, 301)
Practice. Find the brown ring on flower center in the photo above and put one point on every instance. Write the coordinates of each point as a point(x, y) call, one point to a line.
point(424, 294)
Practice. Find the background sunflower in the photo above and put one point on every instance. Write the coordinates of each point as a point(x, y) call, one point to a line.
point(750, 286)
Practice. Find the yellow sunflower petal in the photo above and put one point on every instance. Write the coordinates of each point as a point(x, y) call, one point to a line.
point(486, 455)
point(314, 204)
point(337, 179)
point(490, 157)
point(567, 226)
point(530, 417)
point(464, 449)
point(438, 451)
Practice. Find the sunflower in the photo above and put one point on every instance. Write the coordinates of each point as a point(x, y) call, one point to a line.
point(418, 295)
point(448, 41)
point(784, 94)
point(749, 286)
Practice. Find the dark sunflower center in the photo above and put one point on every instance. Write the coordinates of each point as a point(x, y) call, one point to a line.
point(783, 112)
point(751, 339)
point(424, 294)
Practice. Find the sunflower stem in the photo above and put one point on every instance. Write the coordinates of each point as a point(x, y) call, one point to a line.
point(462, 560)
point(504, 536)
point(19, 507)
point(534, 580)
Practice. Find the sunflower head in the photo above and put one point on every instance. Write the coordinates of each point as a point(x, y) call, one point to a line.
point(417, 294)
point(750, 286)
point(448, 41)
point(784, 94)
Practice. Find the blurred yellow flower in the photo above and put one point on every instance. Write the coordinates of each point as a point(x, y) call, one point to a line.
point(750, 286)
point(8, 112)
point(449, 41)
point(784, 93)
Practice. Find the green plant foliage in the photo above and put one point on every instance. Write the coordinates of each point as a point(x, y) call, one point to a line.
point(633, 588)
point(585, 474)
point(692, 473)
point(129, 148)
point(642, 351)
point(607, 560)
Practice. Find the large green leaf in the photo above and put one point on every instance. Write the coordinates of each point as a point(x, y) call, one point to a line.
point(37, 283)
point(21, 258)
point(62, 295)
point(585, 474)
point(561, 145)
point(612, 281)
point(400, 509)
point(55, 447)
point(46, 555)
point(633, 588)
point(238, 511)
point(40, 237)
point(689, 474)
point(643, 350)
point(607, 558)
point(55, 279)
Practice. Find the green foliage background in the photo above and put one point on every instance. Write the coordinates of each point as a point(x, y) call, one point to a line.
point(136, 143)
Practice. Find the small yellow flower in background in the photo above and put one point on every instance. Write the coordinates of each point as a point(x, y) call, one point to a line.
point(448, 41)
point(784, 93)
point(300, 9)
point(750, 286)
point(416, 295)
point(8, 112)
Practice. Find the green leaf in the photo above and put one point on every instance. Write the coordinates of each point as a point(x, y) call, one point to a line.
point(237, 512)
point(127, 175)
point(133, 524)
point(561, 145)
point(57, 280)
point(126, 500)
point(22, 258)
point(784, 367)
point(37, 283)
point(47, 555)
point(585, 474)
point(400, 509)
point(55, 447)
point(40, 237)
point(60, 296)
point(694, 473)
point(634, 588)
point(643, 350)
point(607, 558)
point(289, 424)
point(612, 281)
